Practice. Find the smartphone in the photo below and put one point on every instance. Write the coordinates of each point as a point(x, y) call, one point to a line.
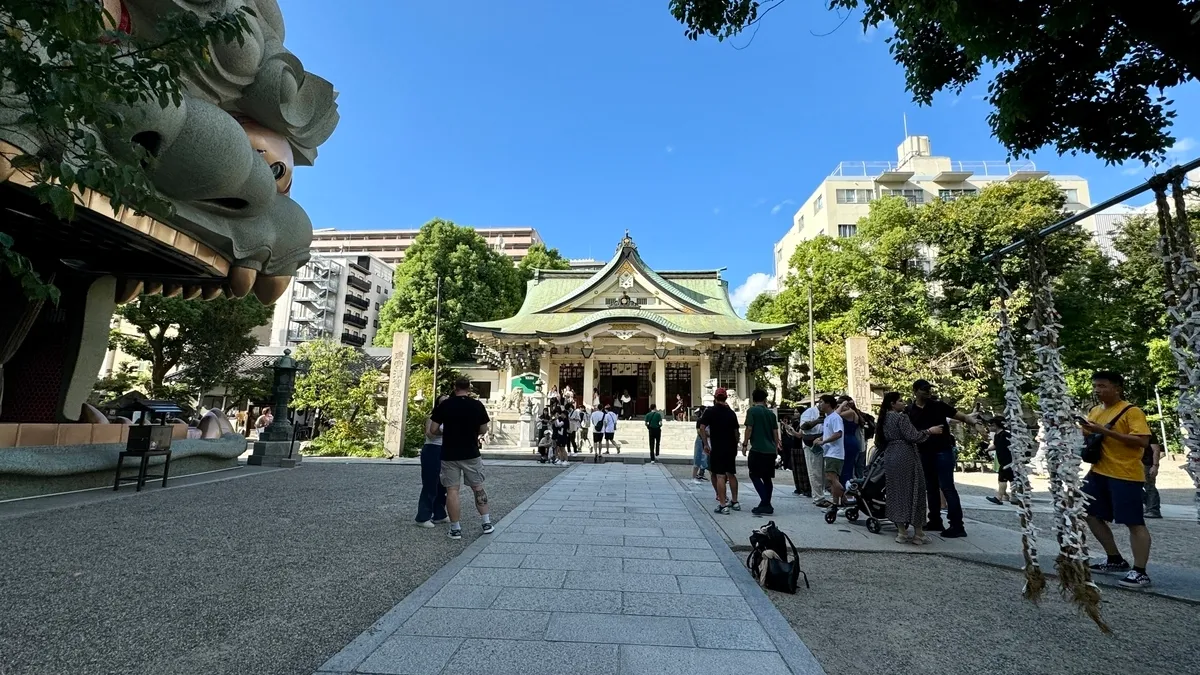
point(1079, 419)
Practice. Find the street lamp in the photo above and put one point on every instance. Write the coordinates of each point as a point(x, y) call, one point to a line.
point(586, 350)
point(661, 351)
point(812, 359)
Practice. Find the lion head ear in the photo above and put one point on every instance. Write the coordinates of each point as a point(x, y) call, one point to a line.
point(273, 148)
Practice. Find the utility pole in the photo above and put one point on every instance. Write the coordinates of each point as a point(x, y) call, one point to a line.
point(812, 363)
point(437, 317)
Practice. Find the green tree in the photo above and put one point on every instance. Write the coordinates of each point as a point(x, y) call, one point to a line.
point(478, 284)
point(343, 393)
point(1061, 71)
point(538, 257)
point(66, 72)
point(203, 340)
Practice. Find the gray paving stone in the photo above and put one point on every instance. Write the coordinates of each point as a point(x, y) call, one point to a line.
point(622, 581)
point(518, 578)
point(678, 567)
point(579, 520)
point(408, 655)
point(534, 519)
point(624, 531)
point(603, 515)
point(497, 560)
point(573, 562)
point(559, 600)
point(693, 554)
point(693, 606)
point(622, 551)
point(531, 549)
point(542, 528)
point(523, 657)
point(464, 596)
point(673, 509)
point(576, 538)
point(708, 586)
point(671, 542)
point(577, 506)
point(478, 623)
point(512, 536)
point(644, 660)
point(619, 629)
point(684, 532)
point(731, 634)
point(542, 506)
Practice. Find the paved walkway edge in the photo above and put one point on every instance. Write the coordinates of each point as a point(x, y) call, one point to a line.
point(362, 646)
point(793, 651)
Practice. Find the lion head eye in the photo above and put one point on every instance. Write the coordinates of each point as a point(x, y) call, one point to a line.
point(278, 169)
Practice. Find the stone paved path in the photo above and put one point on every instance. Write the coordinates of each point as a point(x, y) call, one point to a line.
point(608, 569)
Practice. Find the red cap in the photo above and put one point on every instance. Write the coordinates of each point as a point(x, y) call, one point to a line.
point(721, 394)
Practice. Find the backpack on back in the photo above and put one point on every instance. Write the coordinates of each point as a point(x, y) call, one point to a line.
point(768, 560)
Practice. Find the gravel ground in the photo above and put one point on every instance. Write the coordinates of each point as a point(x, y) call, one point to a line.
point(265, 574)
point(927, 615)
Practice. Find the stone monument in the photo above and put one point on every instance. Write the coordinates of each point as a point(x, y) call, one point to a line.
point(276, 445)
point(858, 372)
point(397, 400)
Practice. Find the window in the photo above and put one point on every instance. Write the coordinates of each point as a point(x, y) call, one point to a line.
point(819, 204)
point(916, 196)
point(951, 195)
point(855, 196)
point(847, 230)
point(1072, 195)
point(800, 223)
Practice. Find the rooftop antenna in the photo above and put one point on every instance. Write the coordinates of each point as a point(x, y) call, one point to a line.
point(905, 116)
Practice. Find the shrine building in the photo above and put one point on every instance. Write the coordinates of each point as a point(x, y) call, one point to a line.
point(625, 327)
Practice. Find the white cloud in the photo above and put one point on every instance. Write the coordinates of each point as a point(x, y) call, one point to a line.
point(751, 288)
point(670, 149)
point(1182, 145)
point(759, 202)
point(779, 207)
point(1132, 171)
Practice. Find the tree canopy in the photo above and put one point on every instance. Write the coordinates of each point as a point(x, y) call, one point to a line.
point(203, 341)
point(478, 284)
point(342, 391)
point(538, 257)
point(1080, 76)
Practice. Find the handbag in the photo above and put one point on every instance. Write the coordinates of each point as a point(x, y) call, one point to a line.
point(1093, 444)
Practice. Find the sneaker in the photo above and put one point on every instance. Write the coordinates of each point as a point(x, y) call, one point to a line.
point(442, 521)
point(456, 534)
point(797, 492)
point(763, 511)
point(488, 528)
point(736, 506)
point(698, 479)
point(822, 503)
point(993, 500)
point(1152, 514)
point(424, 523)
point(1110, 567)
point(954, 532)
point(935, 527)
point(1135, 579)
point(723, 510)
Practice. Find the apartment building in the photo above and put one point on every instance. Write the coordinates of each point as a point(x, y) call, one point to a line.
point(333, 297)
point(843, 198)
point(389, 245)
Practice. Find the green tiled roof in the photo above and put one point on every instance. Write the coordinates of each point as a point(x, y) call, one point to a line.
point(699, 325)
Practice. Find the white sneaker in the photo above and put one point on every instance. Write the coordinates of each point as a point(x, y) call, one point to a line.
point(424, 523)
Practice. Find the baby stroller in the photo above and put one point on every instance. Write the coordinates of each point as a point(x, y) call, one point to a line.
point(870, 496)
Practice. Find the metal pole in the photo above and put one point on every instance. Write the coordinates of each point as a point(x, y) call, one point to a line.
point(437, 317)
point(1162, 423)
point(812, 362)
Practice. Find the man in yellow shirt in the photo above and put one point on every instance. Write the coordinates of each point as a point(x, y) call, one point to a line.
point(1115, 482)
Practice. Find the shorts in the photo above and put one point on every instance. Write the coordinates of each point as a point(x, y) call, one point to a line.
point(698, 457)
point(722, 462)
point(1114, 500)
point(834, 465)
point(470, 470)
point(608, 435)
point(761, 464)
point(597, 436)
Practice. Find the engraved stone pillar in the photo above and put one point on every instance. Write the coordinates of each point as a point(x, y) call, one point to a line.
point(858, 372)
point(397, 400)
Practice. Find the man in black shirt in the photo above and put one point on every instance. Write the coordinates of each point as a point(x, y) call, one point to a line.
point(719, 430)
point(463, 420)
point(937, 457)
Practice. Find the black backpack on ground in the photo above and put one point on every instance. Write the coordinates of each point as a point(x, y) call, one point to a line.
point(768, 560)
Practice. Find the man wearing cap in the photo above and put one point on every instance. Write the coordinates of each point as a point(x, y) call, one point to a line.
point(937, 457)
point(719, 429)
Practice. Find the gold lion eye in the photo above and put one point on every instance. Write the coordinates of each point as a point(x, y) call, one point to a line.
point(278, 169)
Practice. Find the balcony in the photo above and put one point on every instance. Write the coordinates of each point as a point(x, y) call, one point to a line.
point(356, 321)
point(358, 283)
point(351, 339)
point(361, 264)
point(355, 301)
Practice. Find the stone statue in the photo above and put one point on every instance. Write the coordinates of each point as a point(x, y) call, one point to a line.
point(224, 155)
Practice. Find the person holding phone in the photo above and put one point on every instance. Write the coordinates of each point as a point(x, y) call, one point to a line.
point(937, 457)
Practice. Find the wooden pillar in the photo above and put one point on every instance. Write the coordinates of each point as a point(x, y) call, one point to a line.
point(660, 383)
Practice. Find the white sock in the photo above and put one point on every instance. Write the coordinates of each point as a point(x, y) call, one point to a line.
point(456, 525)
point(487, 518)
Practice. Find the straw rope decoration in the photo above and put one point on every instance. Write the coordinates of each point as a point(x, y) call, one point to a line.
point(1022, 447)
point(1064, 444)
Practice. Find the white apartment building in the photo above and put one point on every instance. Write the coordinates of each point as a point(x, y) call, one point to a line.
point(332, 297)
point(838, 203)
point(389, 245)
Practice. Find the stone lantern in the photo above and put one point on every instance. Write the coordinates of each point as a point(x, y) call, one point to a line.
point(276, 445)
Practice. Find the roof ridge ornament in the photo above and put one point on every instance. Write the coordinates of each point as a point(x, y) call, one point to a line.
point(626, 242)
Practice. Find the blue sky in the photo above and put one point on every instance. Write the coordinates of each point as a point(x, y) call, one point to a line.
point(585, 118)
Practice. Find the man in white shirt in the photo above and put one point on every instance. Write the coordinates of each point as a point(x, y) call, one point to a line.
point(577, 419)
point(832, 432)
point(810, 429)
point(604, 428)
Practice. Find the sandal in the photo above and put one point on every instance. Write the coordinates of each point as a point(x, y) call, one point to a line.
point(903, 539)
point(922, 540)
